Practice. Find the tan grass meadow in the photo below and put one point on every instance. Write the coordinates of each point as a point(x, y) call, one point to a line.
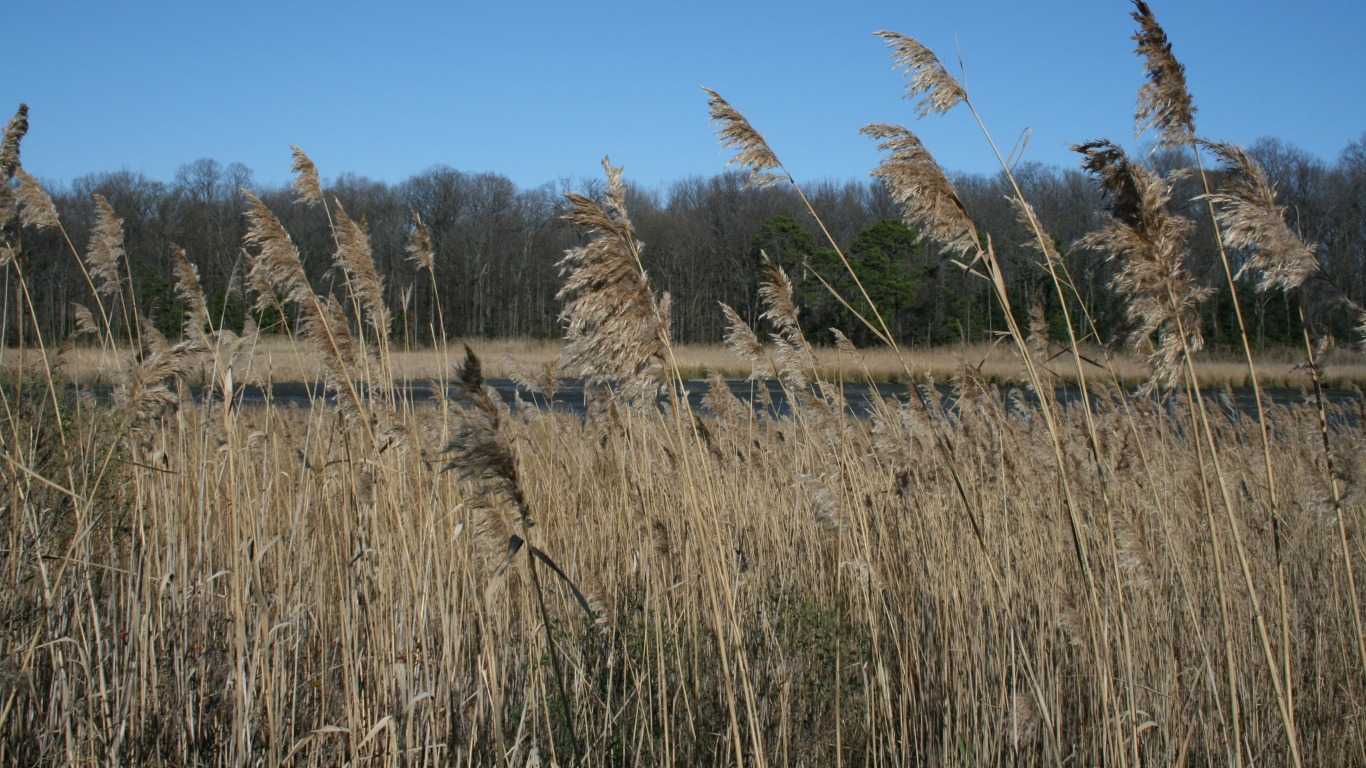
point(1125, 578)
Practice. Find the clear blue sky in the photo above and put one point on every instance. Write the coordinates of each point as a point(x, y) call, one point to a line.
point(541, 90)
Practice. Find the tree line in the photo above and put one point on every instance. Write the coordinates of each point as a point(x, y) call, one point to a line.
point(496, 248)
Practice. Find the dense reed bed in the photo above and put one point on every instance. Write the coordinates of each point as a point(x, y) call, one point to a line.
point(1151, 579)
point(275, 358)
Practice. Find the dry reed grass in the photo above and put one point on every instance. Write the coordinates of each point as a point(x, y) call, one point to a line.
point(274, 357)
point(214, 584)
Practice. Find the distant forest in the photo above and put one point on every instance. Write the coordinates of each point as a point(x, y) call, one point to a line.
point(497, 246)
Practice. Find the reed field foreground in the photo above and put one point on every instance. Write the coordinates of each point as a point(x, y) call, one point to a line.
point(1136, 579)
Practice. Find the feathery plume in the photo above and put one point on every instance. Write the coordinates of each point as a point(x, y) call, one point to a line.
point(323, 323)
point(358, 262)
point(751, 151)
point(842, 342)
point(477, 451)
point(613, 330)
point(1024, 213)
point(1246, 210)
point(36, 209)
point(1247, 213)
point(1038, 331)
point(190, 293)
point(85, 321)
point(1164, 102)
point(720, 400)
point(9, 162)
point(419, 245)
point(15, 130)
point(741, 339)
point(928, 201)
point(542, 379)
point(307, 188)
point(152, 339)
point(275, 266)
point(148, 389)
point(480, 455)
point(791, 350)
point(1150, 243)
point(106, 248)
point(928, 78)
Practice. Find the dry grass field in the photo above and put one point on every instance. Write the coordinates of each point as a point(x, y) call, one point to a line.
point(1123, 580)
point(275, 358)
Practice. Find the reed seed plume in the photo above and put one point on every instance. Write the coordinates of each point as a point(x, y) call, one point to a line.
point(720, 400)
point(15, 130)
point(355, 258)
point(419, 245)
point(1029, 219)
point(190, 292)
point(931, 87)
point(927, 199)
point(1251, 220)
point(614, 331)
point(751, 151)
point(792, 353)
point(1038, 331)
point(744, 342)
point(479, 453)
point(85, 321)
point(1164, 102)
point(36, 208)
point(106, 248)
point(9, 163)
point(542, 379)
point(149, 389)
point(275, 266)
point(307, 188)
point(152, 339)
point(323, 323)
point(842, 342)
point(1149, 242)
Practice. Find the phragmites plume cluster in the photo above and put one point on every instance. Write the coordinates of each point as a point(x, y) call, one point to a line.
point(36, 208)
point(479, 455)
point(751, 151)
point(307, 188)
point(1149, 242)
point(323, 323)
point(275, 265)
point(792, 352)
point(85, 321)
point(1246, 210)
point(744, 342)
point(190, 293)
point(614, 330)
point(1164, 102)
point(1038, 330)
point(15, 131)
point(928, 200)
point(357, 262)
point(150, 389)
point(106, 247)
point(1029, 219)
point(419, 245)
point(931, 86)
